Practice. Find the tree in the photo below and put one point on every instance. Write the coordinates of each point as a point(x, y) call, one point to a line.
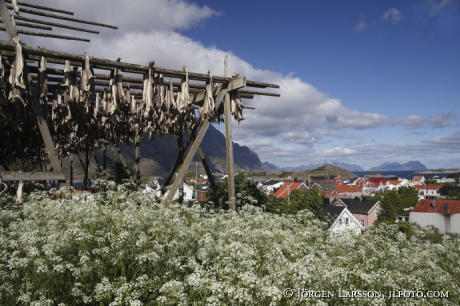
point(309, 199)
point(409, 196)
point(246, 192)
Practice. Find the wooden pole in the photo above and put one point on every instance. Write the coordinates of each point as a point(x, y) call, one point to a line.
point(31, 25)
point(46, 8)
point(123, 162)
point(25, 32)
point(104, 160)
point(229, 152)
point(55, 24)
point(71, 170)
point(138, 161)
point(34, 12)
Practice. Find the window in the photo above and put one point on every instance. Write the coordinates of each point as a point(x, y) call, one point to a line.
point(346, 221)
point(362, 223)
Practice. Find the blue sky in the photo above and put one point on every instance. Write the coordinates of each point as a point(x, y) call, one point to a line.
point(362, 82)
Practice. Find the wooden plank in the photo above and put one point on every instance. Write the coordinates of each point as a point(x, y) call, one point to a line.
point(38, 13)
point(31, 176)
point(55, 24)
point(46, 8)
point(25, 32)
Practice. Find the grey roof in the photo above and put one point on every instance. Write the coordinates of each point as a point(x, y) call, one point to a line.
point(357, 206)
point(332, 210)
point(271, 182)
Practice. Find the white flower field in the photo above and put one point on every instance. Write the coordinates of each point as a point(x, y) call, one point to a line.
point(120, 248)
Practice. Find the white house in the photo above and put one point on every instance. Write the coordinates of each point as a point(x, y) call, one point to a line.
point(341, 220)
point(443, 214)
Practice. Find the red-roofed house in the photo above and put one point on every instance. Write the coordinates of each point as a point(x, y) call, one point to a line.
point(418, 180)
point(428, 191)
point(443, 214)
point(288, 188)
point(346, 191)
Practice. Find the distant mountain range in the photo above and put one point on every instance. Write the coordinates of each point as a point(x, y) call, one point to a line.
point(412, 165)
point(312, 166)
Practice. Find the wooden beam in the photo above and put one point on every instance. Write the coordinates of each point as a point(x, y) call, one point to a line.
point(31, 25)
point(31, 176)
point(55, 24)
point(126, 67)
point(25, 32)
point(138, 160)
point(34, 12)
point(46, 8)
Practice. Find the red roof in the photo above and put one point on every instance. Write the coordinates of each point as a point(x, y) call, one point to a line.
point(347, 188)
point(282, 193)
point(430, 187)
point(393, 182)
point(426, 207)
point(417, 178)
point(375, 181)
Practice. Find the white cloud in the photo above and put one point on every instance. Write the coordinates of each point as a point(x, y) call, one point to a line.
point(360, 27)
point(393, 15)
point(436, 122)
point(436, 6)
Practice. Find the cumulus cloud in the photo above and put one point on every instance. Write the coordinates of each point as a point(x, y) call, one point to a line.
point(393, 15)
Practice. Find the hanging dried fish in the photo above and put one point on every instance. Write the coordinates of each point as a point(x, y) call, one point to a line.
point(16, 75)
point(15, 7)
point(98, 104)
point(86, 76)
point(74, 92)
point(147, 92)
point(67, 75)
point(237, 106)
point(207, 110)
point(183, 98)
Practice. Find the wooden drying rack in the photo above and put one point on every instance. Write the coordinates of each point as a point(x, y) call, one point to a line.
point(221, 94)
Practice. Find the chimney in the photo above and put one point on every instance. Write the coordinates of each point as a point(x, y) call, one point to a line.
point(326, 201)
point(356, 199)
point(446, 209)
point(295, 179)
point(433, 203)
point(363, 199)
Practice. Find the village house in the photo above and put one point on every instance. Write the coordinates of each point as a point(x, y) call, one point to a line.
point(341, 220)
point(270, 186)
point(320, 179)
point(428, 191)
point(443, 214)
point(365, 211)
point(288, 188)
point(418, 180)
point(346, 191)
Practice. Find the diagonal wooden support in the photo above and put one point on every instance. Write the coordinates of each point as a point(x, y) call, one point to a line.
point(41, 120)
point(233, 85)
